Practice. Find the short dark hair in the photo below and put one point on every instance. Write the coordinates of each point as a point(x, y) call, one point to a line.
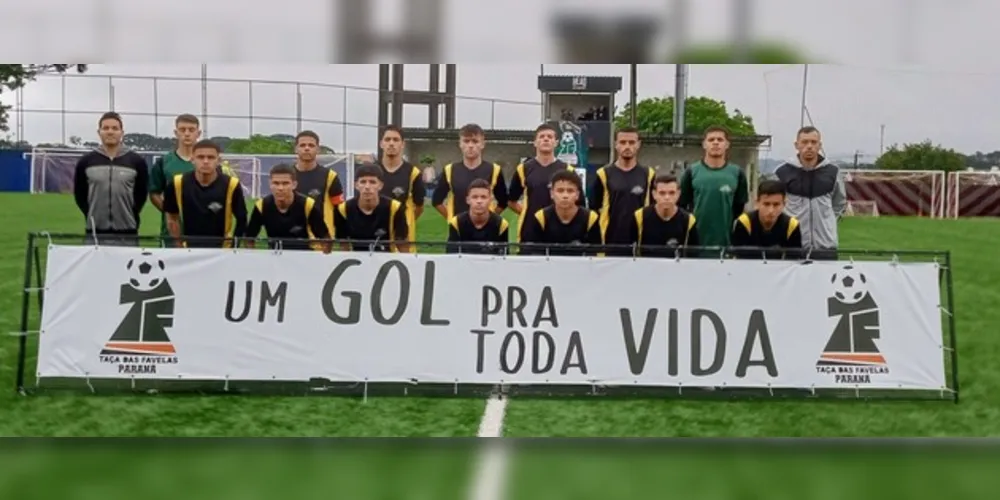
point(368, 170)
point(283, 168)
point(207, 144)
point(307, 133)
point(111, 115)
point(478, 184)
point(716, 128)
point(187, 118)
point(392, 128)
point(626, 130)
point(471, 129)
point(808, 129)
point(770, 187)
point(664, 179)
point(547, 126)
point(567, 176)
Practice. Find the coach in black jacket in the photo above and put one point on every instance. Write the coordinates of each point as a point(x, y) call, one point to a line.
point(111, 186)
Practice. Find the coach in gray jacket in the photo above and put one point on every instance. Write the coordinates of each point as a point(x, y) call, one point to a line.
point(816, 194)
point(110, 187)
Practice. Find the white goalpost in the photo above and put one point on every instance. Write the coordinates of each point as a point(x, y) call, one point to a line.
point(898, 192)
point(973, 194)
point(864, 208)
point(52, 169)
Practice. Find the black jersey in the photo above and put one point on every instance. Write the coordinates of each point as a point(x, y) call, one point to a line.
point(405, 185)
point(650, 231)
point(533, 182)
point(492, 237)
point(545, 233)
point(207, 213)
point(293, 227)
point(783, 236)
point(322, 185)
point(617, 194)
point(387, 223)
point(453, 186)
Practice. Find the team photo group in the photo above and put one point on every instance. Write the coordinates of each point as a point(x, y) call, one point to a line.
point(627, 209)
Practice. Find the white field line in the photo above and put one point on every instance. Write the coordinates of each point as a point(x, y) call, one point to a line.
point(491, 469)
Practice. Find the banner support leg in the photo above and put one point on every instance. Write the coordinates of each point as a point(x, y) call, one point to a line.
point(951, 324)
point(22, 342)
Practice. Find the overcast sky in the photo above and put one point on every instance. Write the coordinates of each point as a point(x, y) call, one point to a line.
point(848, 103)
point(945, 92)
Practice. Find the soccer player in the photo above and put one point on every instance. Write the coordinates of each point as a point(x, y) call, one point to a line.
point(375, 222)
point(714, 190)
point(532, 178)
point(202, 205)
point(288, 217)
point(756, 234)
point(453, 185)
point(620, 189)
point(110, 186)
point(187, 131)
point(479, 230)
point(664, 224)
point(816, 194)
point(564, 223)
point(315, 181)
point(402, 181)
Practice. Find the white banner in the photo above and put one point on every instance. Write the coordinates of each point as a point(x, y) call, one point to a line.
point(256, 315)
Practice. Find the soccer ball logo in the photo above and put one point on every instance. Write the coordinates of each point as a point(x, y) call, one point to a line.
point(849, 285)
point(145, 272)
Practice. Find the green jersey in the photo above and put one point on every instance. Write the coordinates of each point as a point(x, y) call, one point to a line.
point(716, 197)
point(164, 169)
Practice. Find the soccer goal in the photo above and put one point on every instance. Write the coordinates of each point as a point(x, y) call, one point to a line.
point(861, 208)
point(52, 169)
point(343, 164)
point(899, 192)
point(974, 194)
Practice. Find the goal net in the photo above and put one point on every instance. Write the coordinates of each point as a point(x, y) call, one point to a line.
point(343, 164)
point(52, 170)
point(899, 192)
point(974, 194)
point(863, 208)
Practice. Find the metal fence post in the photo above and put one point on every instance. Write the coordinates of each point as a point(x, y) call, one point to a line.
point(62, 107)
point(343, 119)
point(156, 107)
point(493, 114)
point(111, 93)
point(250, 101)
point(298, 107)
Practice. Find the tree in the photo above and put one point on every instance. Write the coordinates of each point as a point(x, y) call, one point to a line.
point(756, 53)
point(147, 142)
point(921, 156)
point(261, 145)
point(275, 144)
point(15, 76)
point(655, 116)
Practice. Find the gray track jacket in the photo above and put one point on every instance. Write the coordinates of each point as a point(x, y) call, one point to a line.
point(817, 198)
point(111, 191)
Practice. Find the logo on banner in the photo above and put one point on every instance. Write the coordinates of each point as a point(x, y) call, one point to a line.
point(851, 355)
point(140, 342)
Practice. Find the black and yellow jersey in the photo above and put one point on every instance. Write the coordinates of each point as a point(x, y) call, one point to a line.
point(208, 211)
point(649, 231)
point(453, 186)
point(616, 194)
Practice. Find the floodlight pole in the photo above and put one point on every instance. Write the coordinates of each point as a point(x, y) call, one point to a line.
point(633, 93)
point(805, 86)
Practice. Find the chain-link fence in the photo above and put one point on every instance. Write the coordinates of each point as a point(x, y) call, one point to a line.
point(65, 108)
